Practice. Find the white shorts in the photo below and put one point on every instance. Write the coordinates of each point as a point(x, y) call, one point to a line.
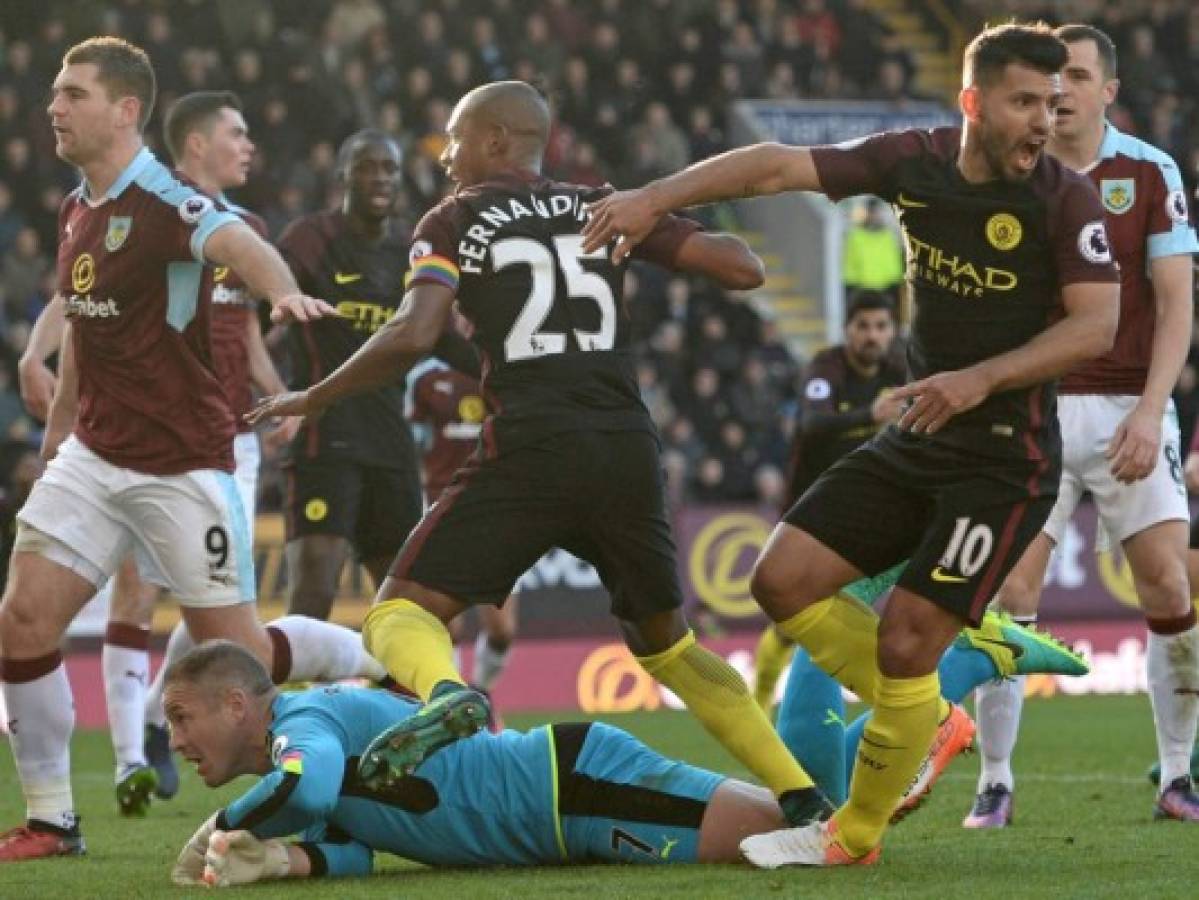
point(1089, 422)
point(247, 457)
point(188, 533)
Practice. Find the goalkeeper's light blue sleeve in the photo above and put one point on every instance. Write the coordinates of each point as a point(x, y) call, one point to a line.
point(310, 761)
point(334, 854)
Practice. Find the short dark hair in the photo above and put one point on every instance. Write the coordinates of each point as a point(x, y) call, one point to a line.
point(994, 49)
point(863, 300)
point(124, 70)
point(341, 166)
point(194, 112)
point(221, 662)
point(1076, 32)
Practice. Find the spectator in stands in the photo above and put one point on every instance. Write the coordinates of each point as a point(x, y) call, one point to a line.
point(873, 256)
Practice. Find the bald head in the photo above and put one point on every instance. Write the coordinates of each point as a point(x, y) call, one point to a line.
point(515, 109)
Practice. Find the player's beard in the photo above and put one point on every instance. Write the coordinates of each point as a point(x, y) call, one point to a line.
point(997, 150)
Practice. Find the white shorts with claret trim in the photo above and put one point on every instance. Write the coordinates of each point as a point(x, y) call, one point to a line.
point(1089, 422)
point(188, 532)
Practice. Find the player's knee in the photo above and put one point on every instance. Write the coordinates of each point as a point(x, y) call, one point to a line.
point(22, 631)
point(772, 586)
point(906, 651)
point(1164, 591)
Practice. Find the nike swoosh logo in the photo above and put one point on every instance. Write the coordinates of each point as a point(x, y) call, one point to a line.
point(341, 278)
point(1016, 649)
point(670, 842)
point(941, 575)
point(909, 203)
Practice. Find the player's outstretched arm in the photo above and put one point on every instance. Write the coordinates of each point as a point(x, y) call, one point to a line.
point(385, 357)
point(724, 258)
point(237, 857)
point(36, 380)
point(755, 171)
point(1086, 331)
point(260, 266)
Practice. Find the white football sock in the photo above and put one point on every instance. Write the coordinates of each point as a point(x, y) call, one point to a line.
point(489, 662)
point(178, 644)
point(322, 651)
point(997, 707)
point(1173, 666)
point(41, 717)
point(126, 671)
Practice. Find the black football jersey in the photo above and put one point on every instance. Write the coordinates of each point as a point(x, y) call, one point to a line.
point(548, 320)
point(985, 263)
point(365, 282)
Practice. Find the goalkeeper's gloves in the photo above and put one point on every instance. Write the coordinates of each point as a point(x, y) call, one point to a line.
point(189, 867)
point(237, 857)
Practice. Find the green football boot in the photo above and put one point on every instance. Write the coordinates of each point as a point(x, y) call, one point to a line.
point(398, 750)
point(1020, 649)
point(134, 790)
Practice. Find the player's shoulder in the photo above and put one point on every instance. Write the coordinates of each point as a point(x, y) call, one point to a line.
point(172, 190)
point(940, 143)
point(829, 356)
point(1118, 146)
point(255, 221)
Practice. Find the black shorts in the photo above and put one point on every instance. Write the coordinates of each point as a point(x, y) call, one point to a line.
point(371, 506)
point(1194, 542)
point(598, 495)
point(962, 520)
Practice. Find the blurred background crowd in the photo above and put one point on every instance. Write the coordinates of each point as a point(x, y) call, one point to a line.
point(639, 89)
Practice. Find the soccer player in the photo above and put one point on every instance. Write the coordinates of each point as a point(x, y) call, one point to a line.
point(569, 454)
point(351, 475)
point(1001, 240)
point(450, 406)
point(1120, 438)
point(569, 792)
point(846, 398)
point(210, 145)
point(147, 467)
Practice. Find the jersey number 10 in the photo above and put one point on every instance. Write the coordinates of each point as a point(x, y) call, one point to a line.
point(526, 339)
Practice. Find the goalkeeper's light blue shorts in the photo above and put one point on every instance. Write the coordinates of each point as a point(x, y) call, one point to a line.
point(620, 801)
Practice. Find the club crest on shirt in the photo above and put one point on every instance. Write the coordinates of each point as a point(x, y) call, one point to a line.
point(1004, 231)
point(118, 232)
point(1118, 194)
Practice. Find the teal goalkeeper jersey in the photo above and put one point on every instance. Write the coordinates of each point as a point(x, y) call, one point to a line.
point(487, 800)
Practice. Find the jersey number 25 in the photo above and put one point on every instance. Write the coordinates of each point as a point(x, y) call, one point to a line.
point(526, 340)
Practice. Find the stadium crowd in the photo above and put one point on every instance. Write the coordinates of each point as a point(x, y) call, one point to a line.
point(639, 90)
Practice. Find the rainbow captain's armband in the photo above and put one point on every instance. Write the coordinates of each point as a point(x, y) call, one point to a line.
point(434, 268)
point(292, 763)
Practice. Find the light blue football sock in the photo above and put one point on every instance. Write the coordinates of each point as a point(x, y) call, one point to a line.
point(811, 722)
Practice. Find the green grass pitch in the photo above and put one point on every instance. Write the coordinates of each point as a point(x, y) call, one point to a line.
point(1083, 829)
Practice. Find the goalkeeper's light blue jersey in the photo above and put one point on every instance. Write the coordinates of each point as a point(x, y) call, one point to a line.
point(487, 800)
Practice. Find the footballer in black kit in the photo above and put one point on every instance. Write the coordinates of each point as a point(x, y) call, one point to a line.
point(352, 474)
point(560, 388)
point(986, 263)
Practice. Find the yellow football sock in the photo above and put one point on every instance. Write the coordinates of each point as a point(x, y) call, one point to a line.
point(774, 652)
point(720, 699)
point(412, 644)
point(893, 745)
point(841, 636)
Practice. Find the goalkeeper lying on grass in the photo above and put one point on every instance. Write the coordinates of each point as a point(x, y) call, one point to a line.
point(567, 793)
